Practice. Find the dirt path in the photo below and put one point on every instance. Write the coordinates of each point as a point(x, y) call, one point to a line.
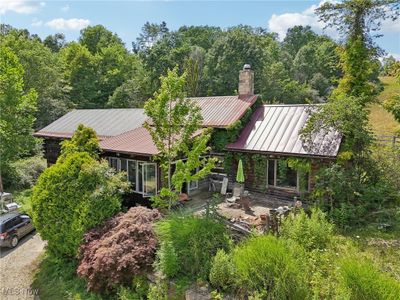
point(17, 266)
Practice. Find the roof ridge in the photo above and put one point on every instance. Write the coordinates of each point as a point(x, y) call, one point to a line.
point(292, 105)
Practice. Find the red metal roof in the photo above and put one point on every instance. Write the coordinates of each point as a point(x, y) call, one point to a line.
point(120, 130)
point(136, 141)
point(222, 111)
point(275, 129)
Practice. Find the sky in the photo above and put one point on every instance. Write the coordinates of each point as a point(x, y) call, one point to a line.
point(126, 18)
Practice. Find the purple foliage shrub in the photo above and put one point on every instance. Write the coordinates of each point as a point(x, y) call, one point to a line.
point(122, 248)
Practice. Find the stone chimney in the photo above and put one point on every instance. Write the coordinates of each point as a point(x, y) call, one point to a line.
point(246, 81)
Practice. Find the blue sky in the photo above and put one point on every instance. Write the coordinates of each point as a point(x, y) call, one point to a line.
point(127, 17)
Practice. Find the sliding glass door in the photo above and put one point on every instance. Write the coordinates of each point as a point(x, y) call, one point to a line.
point(142, 175)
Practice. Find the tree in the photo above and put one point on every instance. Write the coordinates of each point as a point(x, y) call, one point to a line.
point(42, 72)
point(174, 121)
point(238, 46)
point(79, 68)
point(74, 195)
point(17, 112)
point(55, 42)
point(297, 37)
point(356, 21)
point(193, 66)
point(98, 37)
point(151, 33)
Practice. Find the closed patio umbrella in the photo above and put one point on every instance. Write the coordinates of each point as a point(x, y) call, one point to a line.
point(240, 175)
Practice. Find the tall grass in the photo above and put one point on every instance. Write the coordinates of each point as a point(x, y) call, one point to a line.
point(364, 281)
point(195, 241)
point(268, 264)
point(56, 279)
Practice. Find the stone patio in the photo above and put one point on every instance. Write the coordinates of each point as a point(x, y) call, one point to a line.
point(260, 204)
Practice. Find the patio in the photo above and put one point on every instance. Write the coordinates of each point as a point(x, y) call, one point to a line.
point(260, 207)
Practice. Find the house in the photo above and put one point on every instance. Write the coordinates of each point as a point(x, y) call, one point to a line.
point(272, 134)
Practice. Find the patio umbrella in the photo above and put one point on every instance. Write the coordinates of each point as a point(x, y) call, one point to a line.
point(239, 175)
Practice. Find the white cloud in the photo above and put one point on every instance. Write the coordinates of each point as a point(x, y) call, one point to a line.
point(20, 6)
point(395, 55)
point(36, 22)
point(68, 24)
point(65, 8)
point(281, 23)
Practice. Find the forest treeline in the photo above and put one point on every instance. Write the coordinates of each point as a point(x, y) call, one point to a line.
point(99, 71)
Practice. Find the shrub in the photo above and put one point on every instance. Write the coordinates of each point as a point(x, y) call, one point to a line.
point(222, 273)
point(72, 196)
point(312, 232)
point(268, 264)
point(158, 291)
point(138, 291)
point(364, 281)
point(120, 249)
point(167, 260)
point(196, 240)
point(26, 171)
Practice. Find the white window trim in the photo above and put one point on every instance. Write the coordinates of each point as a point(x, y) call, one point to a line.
point(137, 173)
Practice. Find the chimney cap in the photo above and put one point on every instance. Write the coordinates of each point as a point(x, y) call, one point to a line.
point(247, 67)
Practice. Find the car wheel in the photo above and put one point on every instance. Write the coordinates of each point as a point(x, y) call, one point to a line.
point(14, 241)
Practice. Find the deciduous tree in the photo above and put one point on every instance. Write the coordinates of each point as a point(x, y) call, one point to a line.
point(17, 110)
point(174, 122)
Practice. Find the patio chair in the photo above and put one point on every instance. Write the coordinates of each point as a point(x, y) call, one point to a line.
point(237, 190)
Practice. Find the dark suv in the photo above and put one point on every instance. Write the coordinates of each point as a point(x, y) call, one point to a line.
point(13, 227)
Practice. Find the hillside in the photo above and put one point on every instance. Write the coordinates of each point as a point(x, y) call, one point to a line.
point(382, 121)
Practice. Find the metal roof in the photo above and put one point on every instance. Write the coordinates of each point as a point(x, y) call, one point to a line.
point(106, 122)
point(275, 129)
point(136, 141)
point(222, 111)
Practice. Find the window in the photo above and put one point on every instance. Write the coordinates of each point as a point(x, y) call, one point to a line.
point(141, 175)
point(271, 172)
point(132, 173)
point(282, 176)
point(150, 178)
point(123, 165)
point(285, 176)
point(113, 162)
point(194, 184)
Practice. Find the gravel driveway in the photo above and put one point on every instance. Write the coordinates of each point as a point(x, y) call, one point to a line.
point(17, 266)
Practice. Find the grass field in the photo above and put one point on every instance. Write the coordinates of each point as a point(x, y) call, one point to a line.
point(382, 121)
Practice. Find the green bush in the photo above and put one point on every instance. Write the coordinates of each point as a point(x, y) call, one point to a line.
point(167, 260)
point(72, 196)
point(364, 281)
point(196, 240)
point(158, 291)
point(138, 291)
point(312, 232)
point(268, 264)
point(222, 273)
point(26, 171)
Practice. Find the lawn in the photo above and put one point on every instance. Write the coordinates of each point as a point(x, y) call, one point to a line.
point(382, 122)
